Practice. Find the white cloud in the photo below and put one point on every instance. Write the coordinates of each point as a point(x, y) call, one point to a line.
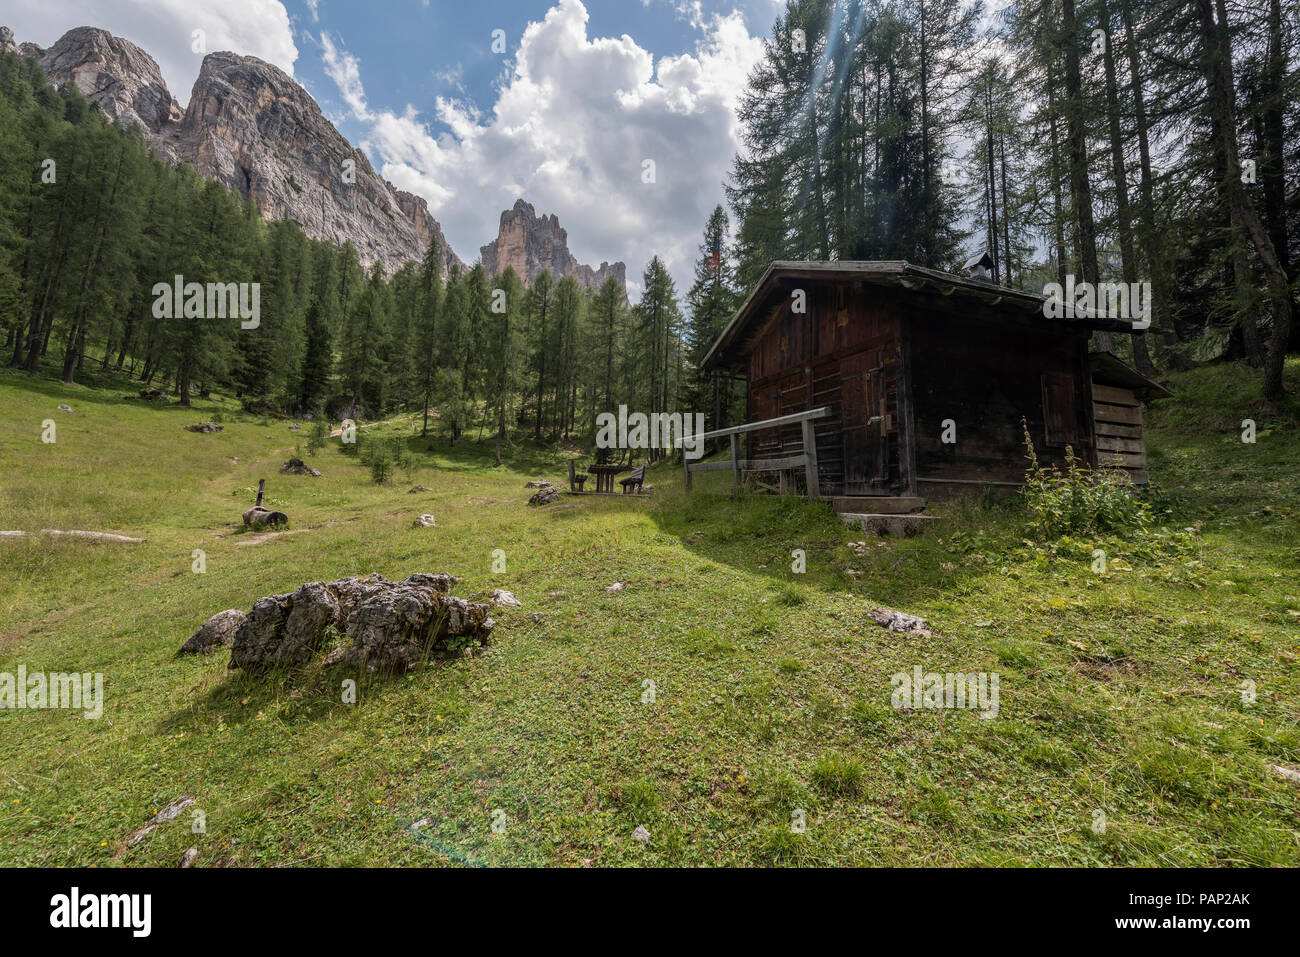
point(573, 122)
point(164, 29)
point(343, 68)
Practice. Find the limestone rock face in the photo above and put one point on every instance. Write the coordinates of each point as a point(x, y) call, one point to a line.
point(530, 243)
point(250, 126)
point(115, 74)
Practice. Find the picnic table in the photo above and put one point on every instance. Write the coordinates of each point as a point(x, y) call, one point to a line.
point(605, 475)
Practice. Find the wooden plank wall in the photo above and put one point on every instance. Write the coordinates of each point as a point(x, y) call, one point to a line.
point(795, 365)
point(1117, 418)
point(986, 373)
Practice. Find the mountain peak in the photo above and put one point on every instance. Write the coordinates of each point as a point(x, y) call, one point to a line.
point(529, 243)
point(254, 128)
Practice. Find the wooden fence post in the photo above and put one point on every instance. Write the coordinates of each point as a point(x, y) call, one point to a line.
point(810, 468)
point(735, 464)
point(261, 489)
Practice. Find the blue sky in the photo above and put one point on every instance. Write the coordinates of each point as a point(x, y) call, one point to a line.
point(414, 52)
point(588, 95)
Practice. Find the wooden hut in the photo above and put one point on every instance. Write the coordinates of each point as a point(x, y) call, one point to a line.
point(925, 379)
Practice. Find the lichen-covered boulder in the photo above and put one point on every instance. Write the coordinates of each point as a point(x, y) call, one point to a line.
point(217, 632)
point(545, 496)
point(299, 467)
point(284, 631)
point(390, 626)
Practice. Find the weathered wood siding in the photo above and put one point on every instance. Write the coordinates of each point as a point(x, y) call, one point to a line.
point(986, 376)
point(1117, 417)
point(843, 354)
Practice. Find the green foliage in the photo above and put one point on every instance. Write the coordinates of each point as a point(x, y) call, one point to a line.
point(1080, 500)
point(319, 435)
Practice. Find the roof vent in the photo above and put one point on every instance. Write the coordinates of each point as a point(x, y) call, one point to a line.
point(979, 268)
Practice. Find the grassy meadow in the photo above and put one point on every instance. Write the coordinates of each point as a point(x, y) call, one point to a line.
point(1121, 693)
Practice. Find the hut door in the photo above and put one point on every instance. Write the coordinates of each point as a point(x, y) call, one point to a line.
point(862, 411)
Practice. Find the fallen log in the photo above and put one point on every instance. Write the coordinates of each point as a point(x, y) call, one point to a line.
point(78, 533)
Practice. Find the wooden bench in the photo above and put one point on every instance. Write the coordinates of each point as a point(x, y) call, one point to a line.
point(576, 479)
point(634, 481)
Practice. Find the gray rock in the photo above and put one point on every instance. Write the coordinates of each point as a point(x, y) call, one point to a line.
point(298, 467)
point(217, 632)
point(207, 428)
point(191, 855)
point(390, 625)
point(504, 599)
point(425, 521)
point(641, 834)
point(546, 496)
point(900, 621)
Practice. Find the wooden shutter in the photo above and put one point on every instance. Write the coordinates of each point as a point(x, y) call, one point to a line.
point(1060, 409)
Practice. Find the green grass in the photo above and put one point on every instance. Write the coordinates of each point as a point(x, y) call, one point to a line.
point(1120, 693)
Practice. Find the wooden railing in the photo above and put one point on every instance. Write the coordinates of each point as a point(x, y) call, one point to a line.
point(807, 460)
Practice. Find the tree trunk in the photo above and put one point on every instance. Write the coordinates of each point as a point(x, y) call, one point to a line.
point(1080, 188)
point(1222, 96)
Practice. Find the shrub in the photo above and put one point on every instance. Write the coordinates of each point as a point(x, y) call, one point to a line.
point(1080, 499)
point(318, 436)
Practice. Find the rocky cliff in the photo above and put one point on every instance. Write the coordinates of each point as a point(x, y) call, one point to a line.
point(251, 126)
point(531, 243)
point(114, 73)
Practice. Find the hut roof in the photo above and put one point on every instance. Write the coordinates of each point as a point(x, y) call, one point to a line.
point(901, 275)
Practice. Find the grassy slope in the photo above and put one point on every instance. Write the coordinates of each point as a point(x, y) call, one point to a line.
point(1118, 692)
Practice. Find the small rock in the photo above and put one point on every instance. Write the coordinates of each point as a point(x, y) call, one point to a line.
point(641, 834)
point(538, 618)
point(217, 632)
point(418, 489)
point(166, 814)
point(617, 586)
point(207, 428)
point(191, 855)
point(1291, 774)
point(298, 467)
point(898, 621)
point(425, 521)
point(64, 408)
point(294, 427)
point(545, 496)
point(505, 599)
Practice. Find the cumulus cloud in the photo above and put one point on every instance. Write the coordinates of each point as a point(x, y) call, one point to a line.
point(575, 121)
point(165, 29)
